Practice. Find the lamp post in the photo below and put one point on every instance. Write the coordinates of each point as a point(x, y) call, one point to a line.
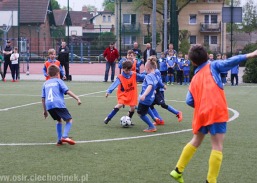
point(68, 27)
point(38, 31)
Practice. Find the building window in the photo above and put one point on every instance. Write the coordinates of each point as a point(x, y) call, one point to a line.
point(192, 39)
point(214, 40)
point(129, 40)
point(109, 18)
point(210, 40)
point(147, 39)
point(104, 18)
point(213, 19)
point(147, 19)
point(129, 18)
point(192, 19)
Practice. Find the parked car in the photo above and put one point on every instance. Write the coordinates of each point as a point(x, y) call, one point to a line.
point(78, 58)
point(32, 57)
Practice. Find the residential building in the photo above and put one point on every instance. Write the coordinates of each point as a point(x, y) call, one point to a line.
point(202, 18)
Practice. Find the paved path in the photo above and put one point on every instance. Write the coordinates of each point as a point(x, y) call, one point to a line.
point(80, 72)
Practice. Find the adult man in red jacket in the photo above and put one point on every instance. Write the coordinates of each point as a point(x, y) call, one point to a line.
point(111, 54)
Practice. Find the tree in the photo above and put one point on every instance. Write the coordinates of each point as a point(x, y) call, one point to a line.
point(109, 5)
point(90, 7)
point(250, 73)
point(249, 18)
point(55, 5)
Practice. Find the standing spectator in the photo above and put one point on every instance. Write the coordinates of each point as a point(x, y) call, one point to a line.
point(1, 61)
point(15, 64)
point(224, 74)
point(110, 54)
point(211, 57)
point(7, 55)
point(148, 52)
point(234, 75)
point(186, 70)
point(137, 51)
point(170, 48)
point(179, 68)
point(63, 57)
point(52, 61)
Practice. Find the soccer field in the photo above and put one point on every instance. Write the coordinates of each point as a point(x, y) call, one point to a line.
point(110, 153)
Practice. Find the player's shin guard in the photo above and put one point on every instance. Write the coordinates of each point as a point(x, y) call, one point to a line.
point(186, 155)
point(171, 109)
point(131, 114)
point(147, 121)
point(114, 111)
point(215, 161)
point(67, 129)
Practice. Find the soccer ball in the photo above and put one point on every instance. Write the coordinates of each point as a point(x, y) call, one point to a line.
point(125, 121)
point(27, 73)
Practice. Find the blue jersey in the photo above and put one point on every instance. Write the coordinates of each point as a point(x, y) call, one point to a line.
point(235, 70)
point(172, 61)
point(180, 62)
point(186, 65)
point(163, 64)
point(154, 80)
point(53, 91)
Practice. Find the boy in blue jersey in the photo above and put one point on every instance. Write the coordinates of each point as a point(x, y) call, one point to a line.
point(234, 75)
point(179, 68)
point(163, 67)
point(147, 95)
point(206, 95)
point(53, 92)
point(159, 100)
point(186, 70)
point(172, 60)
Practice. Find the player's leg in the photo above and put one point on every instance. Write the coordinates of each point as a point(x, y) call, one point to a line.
point(186, 155)
point(131, 113)
point(142, 111)
point(113, 70)
point(107, 68)
point(59, 132)
point(112, 113)
point(217, 131)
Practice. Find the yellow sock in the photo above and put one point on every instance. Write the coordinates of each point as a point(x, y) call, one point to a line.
point(214, 166)
point(185, 157)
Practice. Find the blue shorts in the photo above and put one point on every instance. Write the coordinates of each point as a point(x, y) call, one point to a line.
point(60, 113)
point(214, 128)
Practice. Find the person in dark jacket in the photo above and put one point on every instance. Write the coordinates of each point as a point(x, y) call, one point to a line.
point(148, 52)
point(63, 57)
point(111, 55)
point(7, 55)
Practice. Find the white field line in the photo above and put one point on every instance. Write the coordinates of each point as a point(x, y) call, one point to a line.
point(236, 115)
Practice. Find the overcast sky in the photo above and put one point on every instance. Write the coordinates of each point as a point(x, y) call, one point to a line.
point(76, 5)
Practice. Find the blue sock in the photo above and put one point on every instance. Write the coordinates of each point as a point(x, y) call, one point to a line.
point(114, 111)
point(67, 129)
point(150, 112)
point(147, 121)
point(185, 80)
point(171, 109)
point(155, 112)
point(59, 131)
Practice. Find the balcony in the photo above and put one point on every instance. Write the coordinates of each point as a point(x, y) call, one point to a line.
point(130, 28)
point(210, 27)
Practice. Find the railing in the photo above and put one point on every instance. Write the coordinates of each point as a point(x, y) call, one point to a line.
point(210, 27)
point(131, 28)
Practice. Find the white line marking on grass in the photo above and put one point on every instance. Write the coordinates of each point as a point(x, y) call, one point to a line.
point(236, 115)
point(25, 105)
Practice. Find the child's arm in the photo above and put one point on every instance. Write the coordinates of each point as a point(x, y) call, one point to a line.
point(147, 91)
point(70, 93)
point(44, 107)
point(114, 85)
